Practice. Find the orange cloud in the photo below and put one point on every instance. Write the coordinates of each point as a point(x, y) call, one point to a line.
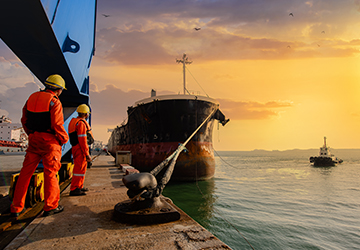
point(109, 106)
point(161, 45)
point(239, 110)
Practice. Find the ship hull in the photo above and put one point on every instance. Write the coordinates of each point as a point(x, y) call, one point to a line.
point(197, 163)
point(156, 127)
point(324, 161)
point(11, 147)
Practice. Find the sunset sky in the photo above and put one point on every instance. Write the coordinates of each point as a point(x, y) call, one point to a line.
point(284, 80)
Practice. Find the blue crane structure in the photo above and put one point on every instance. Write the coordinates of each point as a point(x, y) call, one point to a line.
point(54, 37)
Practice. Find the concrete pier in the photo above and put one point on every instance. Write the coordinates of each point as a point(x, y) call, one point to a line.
point(86, 222)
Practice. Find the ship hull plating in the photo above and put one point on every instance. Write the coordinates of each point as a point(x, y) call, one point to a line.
point(156, 127)
point(197, 163)
point(325, 161)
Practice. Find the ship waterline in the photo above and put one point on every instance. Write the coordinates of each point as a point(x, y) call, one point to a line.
point(196, 163)
point(157, 125)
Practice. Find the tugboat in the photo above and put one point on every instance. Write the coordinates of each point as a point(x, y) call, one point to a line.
point(325, 158)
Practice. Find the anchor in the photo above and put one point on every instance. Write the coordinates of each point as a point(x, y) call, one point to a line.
point(146, 205)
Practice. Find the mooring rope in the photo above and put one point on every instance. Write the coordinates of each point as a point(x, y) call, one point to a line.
point(223, 159)
point(200, 126)
point(173, 157)
point(181, 147)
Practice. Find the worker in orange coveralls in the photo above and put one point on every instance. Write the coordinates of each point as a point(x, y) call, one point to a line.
point(43, 121)
point(80, 138)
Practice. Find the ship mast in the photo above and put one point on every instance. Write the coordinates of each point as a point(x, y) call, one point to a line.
point(324, 141)
point(185, 60)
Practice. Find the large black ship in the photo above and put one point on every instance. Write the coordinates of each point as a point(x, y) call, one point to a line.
point(157, 125)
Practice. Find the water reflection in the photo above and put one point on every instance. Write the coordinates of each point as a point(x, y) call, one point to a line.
point(194, 198)
point(323, 170)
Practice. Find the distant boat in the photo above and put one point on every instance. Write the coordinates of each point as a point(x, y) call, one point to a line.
point(13, 139)
point(325, 158)
point(12, 147)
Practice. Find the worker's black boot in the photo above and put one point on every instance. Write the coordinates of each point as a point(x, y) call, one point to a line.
point(77, 192)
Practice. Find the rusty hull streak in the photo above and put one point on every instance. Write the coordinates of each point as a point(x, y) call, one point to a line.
point(197, 163)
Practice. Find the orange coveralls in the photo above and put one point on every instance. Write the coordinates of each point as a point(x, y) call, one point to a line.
point(78, 128)
point(43, 121)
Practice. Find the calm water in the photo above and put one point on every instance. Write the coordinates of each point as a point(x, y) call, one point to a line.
point(277, 200)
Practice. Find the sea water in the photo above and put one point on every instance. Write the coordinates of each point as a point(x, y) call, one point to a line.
point(277, 200)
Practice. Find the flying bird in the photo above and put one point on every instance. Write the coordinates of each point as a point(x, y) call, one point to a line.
point(289, 47)
point(197, 29)
point(291, 14)
point(323, 32)
point(105, 15)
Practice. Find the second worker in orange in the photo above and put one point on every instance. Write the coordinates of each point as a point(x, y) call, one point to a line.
point(79, 132)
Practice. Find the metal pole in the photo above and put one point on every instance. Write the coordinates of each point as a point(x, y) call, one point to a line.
point(184, 61)
point(184, 72)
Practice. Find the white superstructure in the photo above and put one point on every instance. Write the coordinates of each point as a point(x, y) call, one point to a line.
point(324, 150)
point(11, 131)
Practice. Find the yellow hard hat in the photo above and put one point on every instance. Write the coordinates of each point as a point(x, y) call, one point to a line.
point(55, 81)
point(83, 108)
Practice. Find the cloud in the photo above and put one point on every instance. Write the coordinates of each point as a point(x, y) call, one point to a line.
point(357, 3)
point(13, 100)
point(222, 11)
point(6, 52)
point(154, 32)
point(13, 74)
point(109, 106)
point(132, 48)
point(252, 110)
point(156, 47)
